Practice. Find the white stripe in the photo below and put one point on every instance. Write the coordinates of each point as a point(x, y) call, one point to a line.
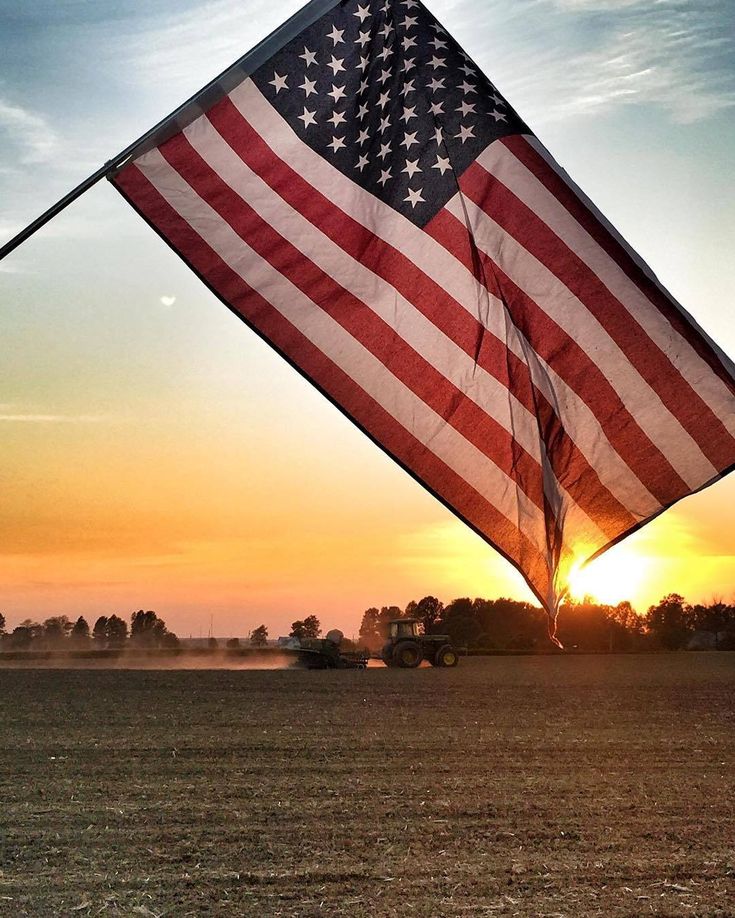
point(348, 354)
point(388, 304)
point(437, 263)
point(573, 317)
point(499, 161)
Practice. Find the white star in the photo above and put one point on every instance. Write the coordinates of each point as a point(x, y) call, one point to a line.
point(436, 62)
point(385, 53)
point(384, 150)
point(363, 86)
point(337, 93)
point(409, 140)
point(384, 75)
point(279, 82)
point(384, 176)
point(384, 124)
point(363, 136)
point(362, 162)
point(363, 39)
point(409, 22)
point(362, 13)
point(362, 110)
point(408, 113)
point(308, 117)
point(436, 84)
point(408, 42)
point(498, 116)
point(385, 8)
point(410, 4)
point(336, 65)
point(412, 166)
point(436, 108)
point(309, 57)
point(363, 65)
point(386, 30)
point(441, 164)
point(467, 87)
point(308, 87)
point(337, 143)
point(439, 135)
point(465, 108)
point(414, 196)
point(465, 132)
point(437, 28)
point(337, 118)
point(408, 64)
point(438, 43)
point(467, 71)
point(336, 35)
point(407, 88)
point(383, 100)
point(497, 100)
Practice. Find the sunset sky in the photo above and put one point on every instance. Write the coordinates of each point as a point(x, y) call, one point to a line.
point(156, 454)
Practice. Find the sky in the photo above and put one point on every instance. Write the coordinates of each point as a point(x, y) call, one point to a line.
point(156, 454)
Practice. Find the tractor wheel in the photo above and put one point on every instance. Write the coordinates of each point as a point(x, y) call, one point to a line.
point(446, 656)
point(407, 655)
point(386, 654)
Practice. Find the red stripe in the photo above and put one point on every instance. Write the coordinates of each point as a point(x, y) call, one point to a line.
point(533, 161)
point(581, 373)
point(431, 299)
point(360, 321)
point(522, 223)
point(292, 344)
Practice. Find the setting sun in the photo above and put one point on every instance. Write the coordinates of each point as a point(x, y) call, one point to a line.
point(613, 577)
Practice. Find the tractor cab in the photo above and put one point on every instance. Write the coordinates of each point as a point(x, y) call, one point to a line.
point(407, 646)
point(401, 628)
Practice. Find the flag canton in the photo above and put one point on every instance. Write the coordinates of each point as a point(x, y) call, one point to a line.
point(386, 96)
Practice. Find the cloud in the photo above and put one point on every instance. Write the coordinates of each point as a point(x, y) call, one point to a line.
point(29, 131)
point(557, 59)
point(56, 418)
point(189, 50)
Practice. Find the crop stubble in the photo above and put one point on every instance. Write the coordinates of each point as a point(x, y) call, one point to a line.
point(559, 786)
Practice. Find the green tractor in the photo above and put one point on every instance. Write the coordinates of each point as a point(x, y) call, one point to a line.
point(407, 646)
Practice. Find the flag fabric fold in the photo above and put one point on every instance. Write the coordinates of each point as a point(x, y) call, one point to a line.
point(369, 203)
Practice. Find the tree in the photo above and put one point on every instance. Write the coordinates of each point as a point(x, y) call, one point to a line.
point(460, 622)
point(116, 631)
point(670, 621)
point(2, 623)
point(56, 630)
point(429, 610)
point(233, 644)
point(259, 637)
point(717, 618)
point(308, 628)
point(369, 629)
point(99, 632)
point(26, 635)
point(80, 632)
point(170, 641)
point(146, 629)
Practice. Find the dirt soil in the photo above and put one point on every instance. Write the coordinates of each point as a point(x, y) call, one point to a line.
point(535, 786)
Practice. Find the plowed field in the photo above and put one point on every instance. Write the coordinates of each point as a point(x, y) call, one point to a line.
point(557, 786)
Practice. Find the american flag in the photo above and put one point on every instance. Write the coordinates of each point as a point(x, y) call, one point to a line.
point(364, 198)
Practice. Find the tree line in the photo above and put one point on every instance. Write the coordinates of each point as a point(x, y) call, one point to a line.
point(146, 631)
point(508, 624)
point(475, 624)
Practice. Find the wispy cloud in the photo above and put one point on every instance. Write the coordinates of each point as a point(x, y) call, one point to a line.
point(556, 59)
point(193, 47)
point(57, 418)
point(29, 131)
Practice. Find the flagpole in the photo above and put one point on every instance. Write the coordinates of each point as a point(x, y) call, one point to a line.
point(186, 112)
